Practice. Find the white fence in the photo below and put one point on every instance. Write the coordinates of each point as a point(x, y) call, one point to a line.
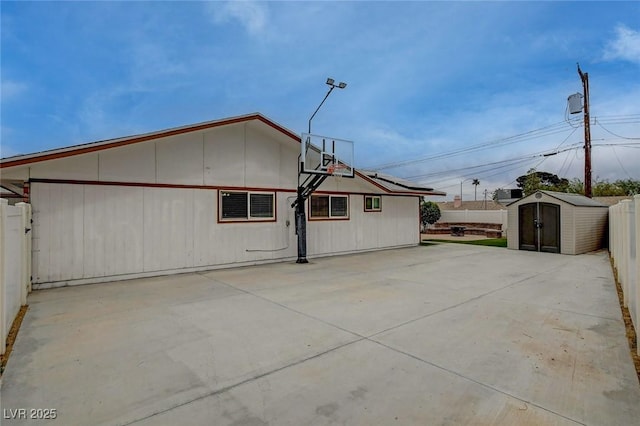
point(624, 245)
point(475, 216)
point(15, 263)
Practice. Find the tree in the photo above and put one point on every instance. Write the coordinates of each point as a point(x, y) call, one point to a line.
point(475, 184)
point(535, 180)
point(429, 213)
point(629, 186)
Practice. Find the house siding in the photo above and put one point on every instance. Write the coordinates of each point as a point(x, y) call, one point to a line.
point(152, 208)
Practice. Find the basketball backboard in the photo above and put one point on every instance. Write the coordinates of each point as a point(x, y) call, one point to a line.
point(326, 156)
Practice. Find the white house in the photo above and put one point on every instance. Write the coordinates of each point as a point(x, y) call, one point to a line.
point(198, 197)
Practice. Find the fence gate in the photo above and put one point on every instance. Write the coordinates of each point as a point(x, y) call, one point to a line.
point(539, 227)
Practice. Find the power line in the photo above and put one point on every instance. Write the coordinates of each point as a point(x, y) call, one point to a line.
point(614, 134)
point(521, 137)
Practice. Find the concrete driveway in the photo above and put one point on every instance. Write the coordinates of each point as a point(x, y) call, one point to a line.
point(439, 334)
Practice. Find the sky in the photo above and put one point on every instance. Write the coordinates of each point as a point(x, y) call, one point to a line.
point(438, 92)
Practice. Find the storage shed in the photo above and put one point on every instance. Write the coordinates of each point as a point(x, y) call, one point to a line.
point(556, 222)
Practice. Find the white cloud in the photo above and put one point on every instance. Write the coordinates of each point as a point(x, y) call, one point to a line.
point(626, 45)
point(252, 15)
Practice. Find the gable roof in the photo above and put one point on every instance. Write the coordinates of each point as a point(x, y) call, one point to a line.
point(388, 183)
point(69, 151)
point(578, 200)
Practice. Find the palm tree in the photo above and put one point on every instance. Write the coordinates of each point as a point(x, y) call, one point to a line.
point(475, 183)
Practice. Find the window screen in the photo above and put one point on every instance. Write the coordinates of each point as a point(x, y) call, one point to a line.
point(261, 205)
point(234, 205)
point(319, 206)
point(339, 207)
point(329, 206)
point(246, 205)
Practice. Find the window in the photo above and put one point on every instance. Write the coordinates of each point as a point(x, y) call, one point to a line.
point(329, 207)
point(242, 205)
point(372, 203)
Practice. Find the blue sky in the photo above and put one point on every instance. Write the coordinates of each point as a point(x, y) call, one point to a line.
point(458, 81)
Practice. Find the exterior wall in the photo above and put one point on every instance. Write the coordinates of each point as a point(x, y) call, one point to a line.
point(238, 155)
point(151, 208)
point(87, 233)
point(567, 227)
point(590, 228)
point(513, 239)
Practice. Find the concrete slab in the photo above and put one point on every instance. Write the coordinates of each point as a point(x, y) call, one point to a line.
point(441, 334)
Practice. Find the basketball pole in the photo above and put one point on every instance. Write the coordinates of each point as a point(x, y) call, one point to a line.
point(300, 214)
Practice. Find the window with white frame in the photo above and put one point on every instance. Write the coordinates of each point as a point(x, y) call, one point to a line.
point(372, 203)
point(329, 207)
point(245, 205)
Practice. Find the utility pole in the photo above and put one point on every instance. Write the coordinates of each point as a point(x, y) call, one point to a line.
point(587, 133)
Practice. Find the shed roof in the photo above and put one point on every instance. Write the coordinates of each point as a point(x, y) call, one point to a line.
point(577, 200)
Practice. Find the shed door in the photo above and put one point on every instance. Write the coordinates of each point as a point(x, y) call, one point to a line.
point(527, 217)
point(549, 226)
point(539, 227)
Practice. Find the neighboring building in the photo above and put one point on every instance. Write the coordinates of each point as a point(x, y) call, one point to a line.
point(508, 196)
point(456, 204)
point(557, 222)
point(209, 195)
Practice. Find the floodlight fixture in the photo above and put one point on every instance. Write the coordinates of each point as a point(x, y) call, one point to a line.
point(330, 81)
point(342, 85)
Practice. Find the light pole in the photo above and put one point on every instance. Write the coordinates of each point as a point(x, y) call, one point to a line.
point(301, 218)
point(467, 179)
point(332, 85)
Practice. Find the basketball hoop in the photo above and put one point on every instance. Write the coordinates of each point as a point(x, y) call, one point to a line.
point(337, 169)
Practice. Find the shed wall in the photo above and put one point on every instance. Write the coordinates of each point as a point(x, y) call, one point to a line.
point(590, 227)
point(582, 229)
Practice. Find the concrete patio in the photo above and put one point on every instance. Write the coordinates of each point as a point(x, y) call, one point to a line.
point(439, 334)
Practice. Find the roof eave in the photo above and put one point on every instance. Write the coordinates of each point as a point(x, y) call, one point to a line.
point(70, 151)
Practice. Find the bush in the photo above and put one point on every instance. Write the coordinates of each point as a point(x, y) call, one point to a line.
point(429, 213)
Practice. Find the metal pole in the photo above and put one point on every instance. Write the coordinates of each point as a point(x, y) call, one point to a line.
point(300, 215)
point(587, 134)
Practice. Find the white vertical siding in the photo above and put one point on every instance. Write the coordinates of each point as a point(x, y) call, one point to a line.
point(224, 151)
point(84, 232)
point(396, 225)
point(131, 163)
point(513, 230)
point(590, 225)
point(179, 159)
point(113, 231)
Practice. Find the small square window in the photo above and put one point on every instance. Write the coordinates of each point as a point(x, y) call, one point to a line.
point(372, 203)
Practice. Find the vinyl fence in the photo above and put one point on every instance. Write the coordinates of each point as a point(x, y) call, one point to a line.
point(624, 245)
point(474, 216)
point(15, 263)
